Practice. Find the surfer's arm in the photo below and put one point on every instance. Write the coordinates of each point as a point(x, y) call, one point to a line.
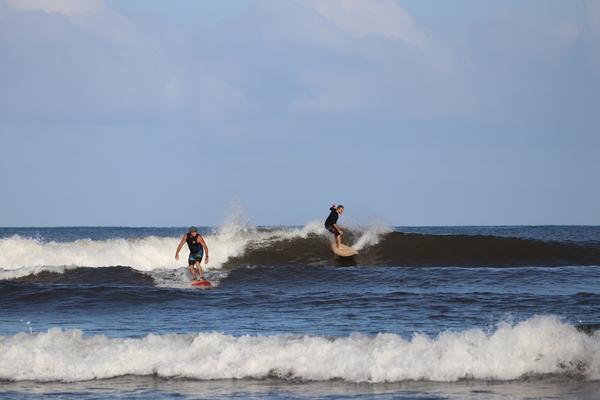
point(179, 247)
point(338, 229)
point(204, 246)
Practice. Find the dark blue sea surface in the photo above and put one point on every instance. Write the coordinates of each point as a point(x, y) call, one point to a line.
point(437, 312)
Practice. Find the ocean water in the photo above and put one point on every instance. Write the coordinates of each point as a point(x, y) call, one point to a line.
point(420, 313)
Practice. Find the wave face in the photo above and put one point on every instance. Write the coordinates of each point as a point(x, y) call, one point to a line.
point(235, 245)
point(465, 250)
point(384, 247)
point(539, 346)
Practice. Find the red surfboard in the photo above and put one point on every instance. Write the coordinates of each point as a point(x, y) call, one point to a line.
point(202, 284)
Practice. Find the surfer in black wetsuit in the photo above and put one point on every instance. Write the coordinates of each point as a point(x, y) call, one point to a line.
point(198, 249)
point(331, 223)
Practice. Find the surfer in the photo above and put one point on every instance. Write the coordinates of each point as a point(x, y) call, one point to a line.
point(331, 223)
point(198, 249)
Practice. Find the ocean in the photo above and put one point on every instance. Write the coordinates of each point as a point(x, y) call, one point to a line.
point(509, 312)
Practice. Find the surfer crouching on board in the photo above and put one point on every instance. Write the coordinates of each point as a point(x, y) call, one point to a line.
point(198, 249)
point(331, 223)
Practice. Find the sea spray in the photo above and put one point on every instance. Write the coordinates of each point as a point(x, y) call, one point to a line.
point(370, 236)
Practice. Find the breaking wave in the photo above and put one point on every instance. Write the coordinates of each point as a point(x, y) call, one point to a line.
point(540, 346)
point(21, 256)
point(237, 244)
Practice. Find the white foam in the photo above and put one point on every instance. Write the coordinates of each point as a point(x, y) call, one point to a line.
point(371, 236)
point(143, 254)
point(540, 345)
point(31, 270)
point(20, 256)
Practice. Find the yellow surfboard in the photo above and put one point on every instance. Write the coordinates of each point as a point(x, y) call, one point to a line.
point(343, 250)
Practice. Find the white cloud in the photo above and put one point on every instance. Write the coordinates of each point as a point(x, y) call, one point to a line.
point(293, 56)
point(102, 65)
point(336, 24)
point(66, 7)
point(294, 22)
point(361, 18)
point(355, 55)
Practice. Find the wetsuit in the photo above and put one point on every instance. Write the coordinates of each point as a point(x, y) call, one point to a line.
point(331, 220)
point(196, 249)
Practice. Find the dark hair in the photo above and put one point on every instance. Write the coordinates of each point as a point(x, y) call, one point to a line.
point(193, 229)
point(340, 206)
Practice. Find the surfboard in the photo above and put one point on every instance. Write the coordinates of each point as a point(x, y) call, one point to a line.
point(343, 250)
point(202, 284)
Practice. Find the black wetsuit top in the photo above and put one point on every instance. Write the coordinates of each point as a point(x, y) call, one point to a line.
point(193, 244)
point(333, 217)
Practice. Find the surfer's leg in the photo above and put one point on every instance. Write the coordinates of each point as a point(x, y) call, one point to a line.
point(192, 271)
point(192, 260)
point(338, 237)
point(199, 270)
point(336, 234)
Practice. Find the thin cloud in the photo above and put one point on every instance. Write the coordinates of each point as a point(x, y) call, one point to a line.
point(289, 58)
point(75, 60)
point(66, 7)
point(361, 18)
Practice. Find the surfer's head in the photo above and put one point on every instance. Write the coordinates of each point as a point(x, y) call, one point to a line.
point(340, 209)
point(193, 230)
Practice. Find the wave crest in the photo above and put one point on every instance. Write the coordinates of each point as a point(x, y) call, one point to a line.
point(538, 346)
point(237, 244)
point(21, 256)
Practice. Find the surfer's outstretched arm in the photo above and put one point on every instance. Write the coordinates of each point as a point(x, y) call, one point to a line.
point(179, 247)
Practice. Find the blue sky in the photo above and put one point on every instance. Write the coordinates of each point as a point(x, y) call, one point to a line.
point(409, 112)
